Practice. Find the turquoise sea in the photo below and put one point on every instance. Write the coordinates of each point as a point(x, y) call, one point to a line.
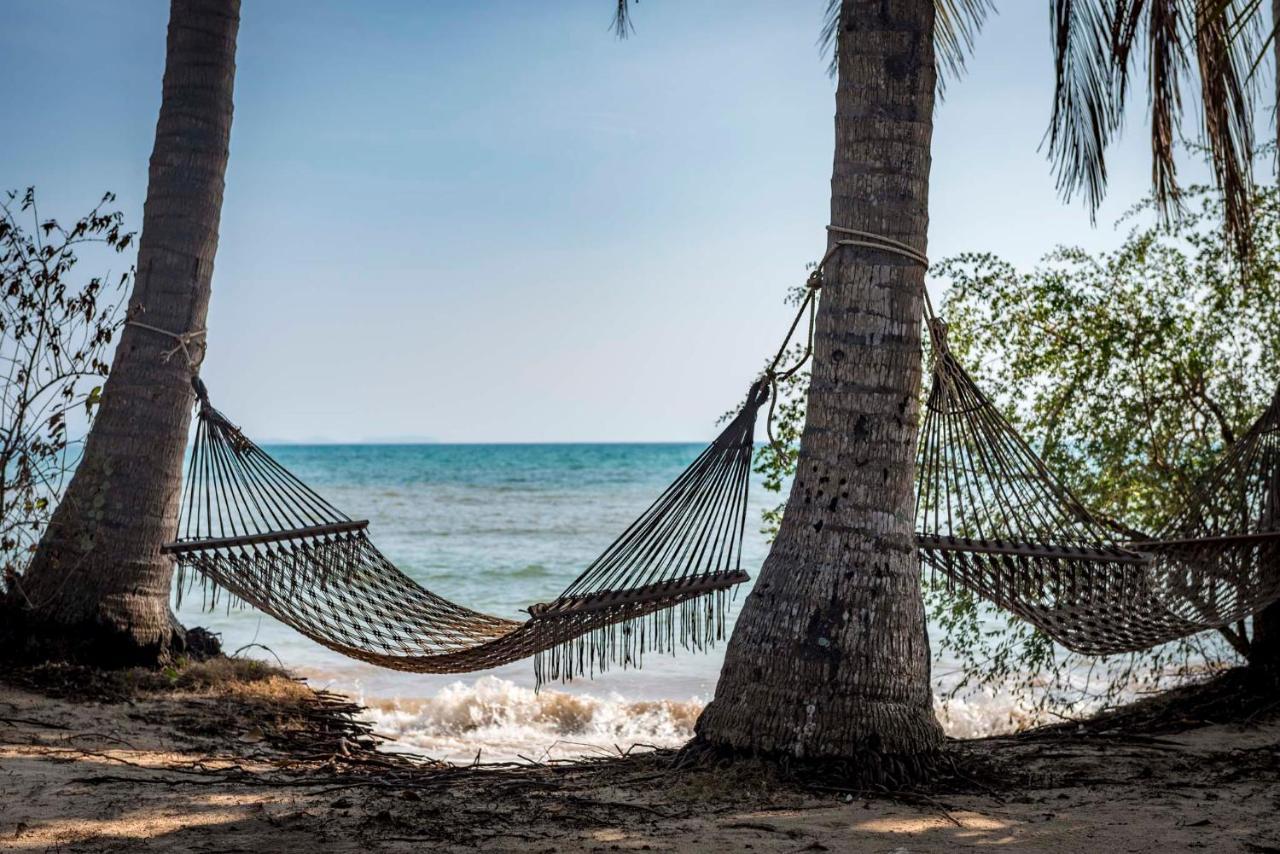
point(497, 528)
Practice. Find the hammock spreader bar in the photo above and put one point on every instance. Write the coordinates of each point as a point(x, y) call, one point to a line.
point(178, 548)
point(250, 527)
point(990, 517)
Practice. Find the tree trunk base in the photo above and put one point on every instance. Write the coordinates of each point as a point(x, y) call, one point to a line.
point(868, 771)
point(1264, 677)
point(1264, 649)
point(26, 639)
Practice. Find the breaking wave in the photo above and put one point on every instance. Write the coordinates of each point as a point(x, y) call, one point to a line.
point(501, 721)
point(494, 719)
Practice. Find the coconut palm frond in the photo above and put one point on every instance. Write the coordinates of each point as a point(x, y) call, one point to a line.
point(1267, 45)
point(1226, 34)
point(827, 38)
point(1167, 62)
point(956, 25)
point(1086, 111)
point(1096, 46)
point(1126, 25)
point(622, 19)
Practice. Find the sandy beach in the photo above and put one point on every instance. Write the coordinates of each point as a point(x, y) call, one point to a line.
point(259, 762)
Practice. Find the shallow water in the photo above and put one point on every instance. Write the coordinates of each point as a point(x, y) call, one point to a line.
point(496, 528)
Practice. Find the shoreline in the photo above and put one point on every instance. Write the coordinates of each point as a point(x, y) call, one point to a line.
point(241, 756)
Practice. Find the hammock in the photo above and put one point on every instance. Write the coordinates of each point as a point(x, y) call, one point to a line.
point(989, 517)
point(252, 528)
point(993, 519)
point(1221, 552)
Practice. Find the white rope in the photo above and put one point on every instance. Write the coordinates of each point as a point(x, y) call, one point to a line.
point(186, 342)
point(871, 240)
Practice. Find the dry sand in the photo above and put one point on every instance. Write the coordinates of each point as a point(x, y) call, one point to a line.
point(192, 771)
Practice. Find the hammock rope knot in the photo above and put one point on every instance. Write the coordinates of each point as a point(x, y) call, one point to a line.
point(989, 516)
point(187, 342)
point(992, 518)
point(252, 528)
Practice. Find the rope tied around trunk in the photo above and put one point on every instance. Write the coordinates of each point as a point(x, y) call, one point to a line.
point(871, 240)
point(250, 527)
point(187, 341)
point(857, 238)
point(990, 516)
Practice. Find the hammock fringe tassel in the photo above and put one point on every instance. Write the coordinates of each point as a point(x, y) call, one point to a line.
point(991, 518)
point(256, 534)
point(696, 624)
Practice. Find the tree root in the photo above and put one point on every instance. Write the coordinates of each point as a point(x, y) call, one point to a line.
point(869, 772)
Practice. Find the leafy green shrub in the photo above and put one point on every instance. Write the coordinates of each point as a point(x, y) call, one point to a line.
point(1129, 372)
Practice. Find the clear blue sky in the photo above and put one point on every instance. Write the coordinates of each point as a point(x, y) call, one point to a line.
point(492, 221)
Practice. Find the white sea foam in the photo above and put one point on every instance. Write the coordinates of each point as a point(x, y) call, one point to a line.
point(503, 721)
point(547, 512)
point(980, 715)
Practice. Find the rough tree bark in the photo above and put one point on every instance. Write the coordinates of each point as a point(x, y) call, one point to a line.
point(830, 658)
point(1264, 646)
point(98, 586)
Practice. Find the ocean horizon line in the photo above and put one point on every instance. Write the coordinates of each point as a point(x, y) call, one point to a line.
point(413, 443)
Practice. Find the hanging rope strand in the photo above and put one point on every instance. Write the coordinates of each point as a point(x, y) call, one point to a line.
point(864, 239)
point(989, 516)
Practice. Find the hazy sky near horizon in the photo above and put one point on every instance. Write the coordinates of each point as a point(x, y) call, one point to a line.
point(492, 221)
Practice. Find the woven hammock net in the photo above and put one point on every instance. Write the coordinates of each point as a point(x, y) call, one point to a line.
point(990, 517)
point(251, 528)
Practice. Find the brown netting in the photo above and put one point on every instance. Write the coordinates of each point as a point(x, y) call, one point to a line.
point(1221, 552)
point(250, 527)
point(989, 516)
point(992, 518)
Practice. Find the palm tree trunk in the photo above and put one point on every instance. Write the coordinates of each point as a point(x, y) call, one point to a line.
point(1264, 647)
point(98, 581)
point(830, 658)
